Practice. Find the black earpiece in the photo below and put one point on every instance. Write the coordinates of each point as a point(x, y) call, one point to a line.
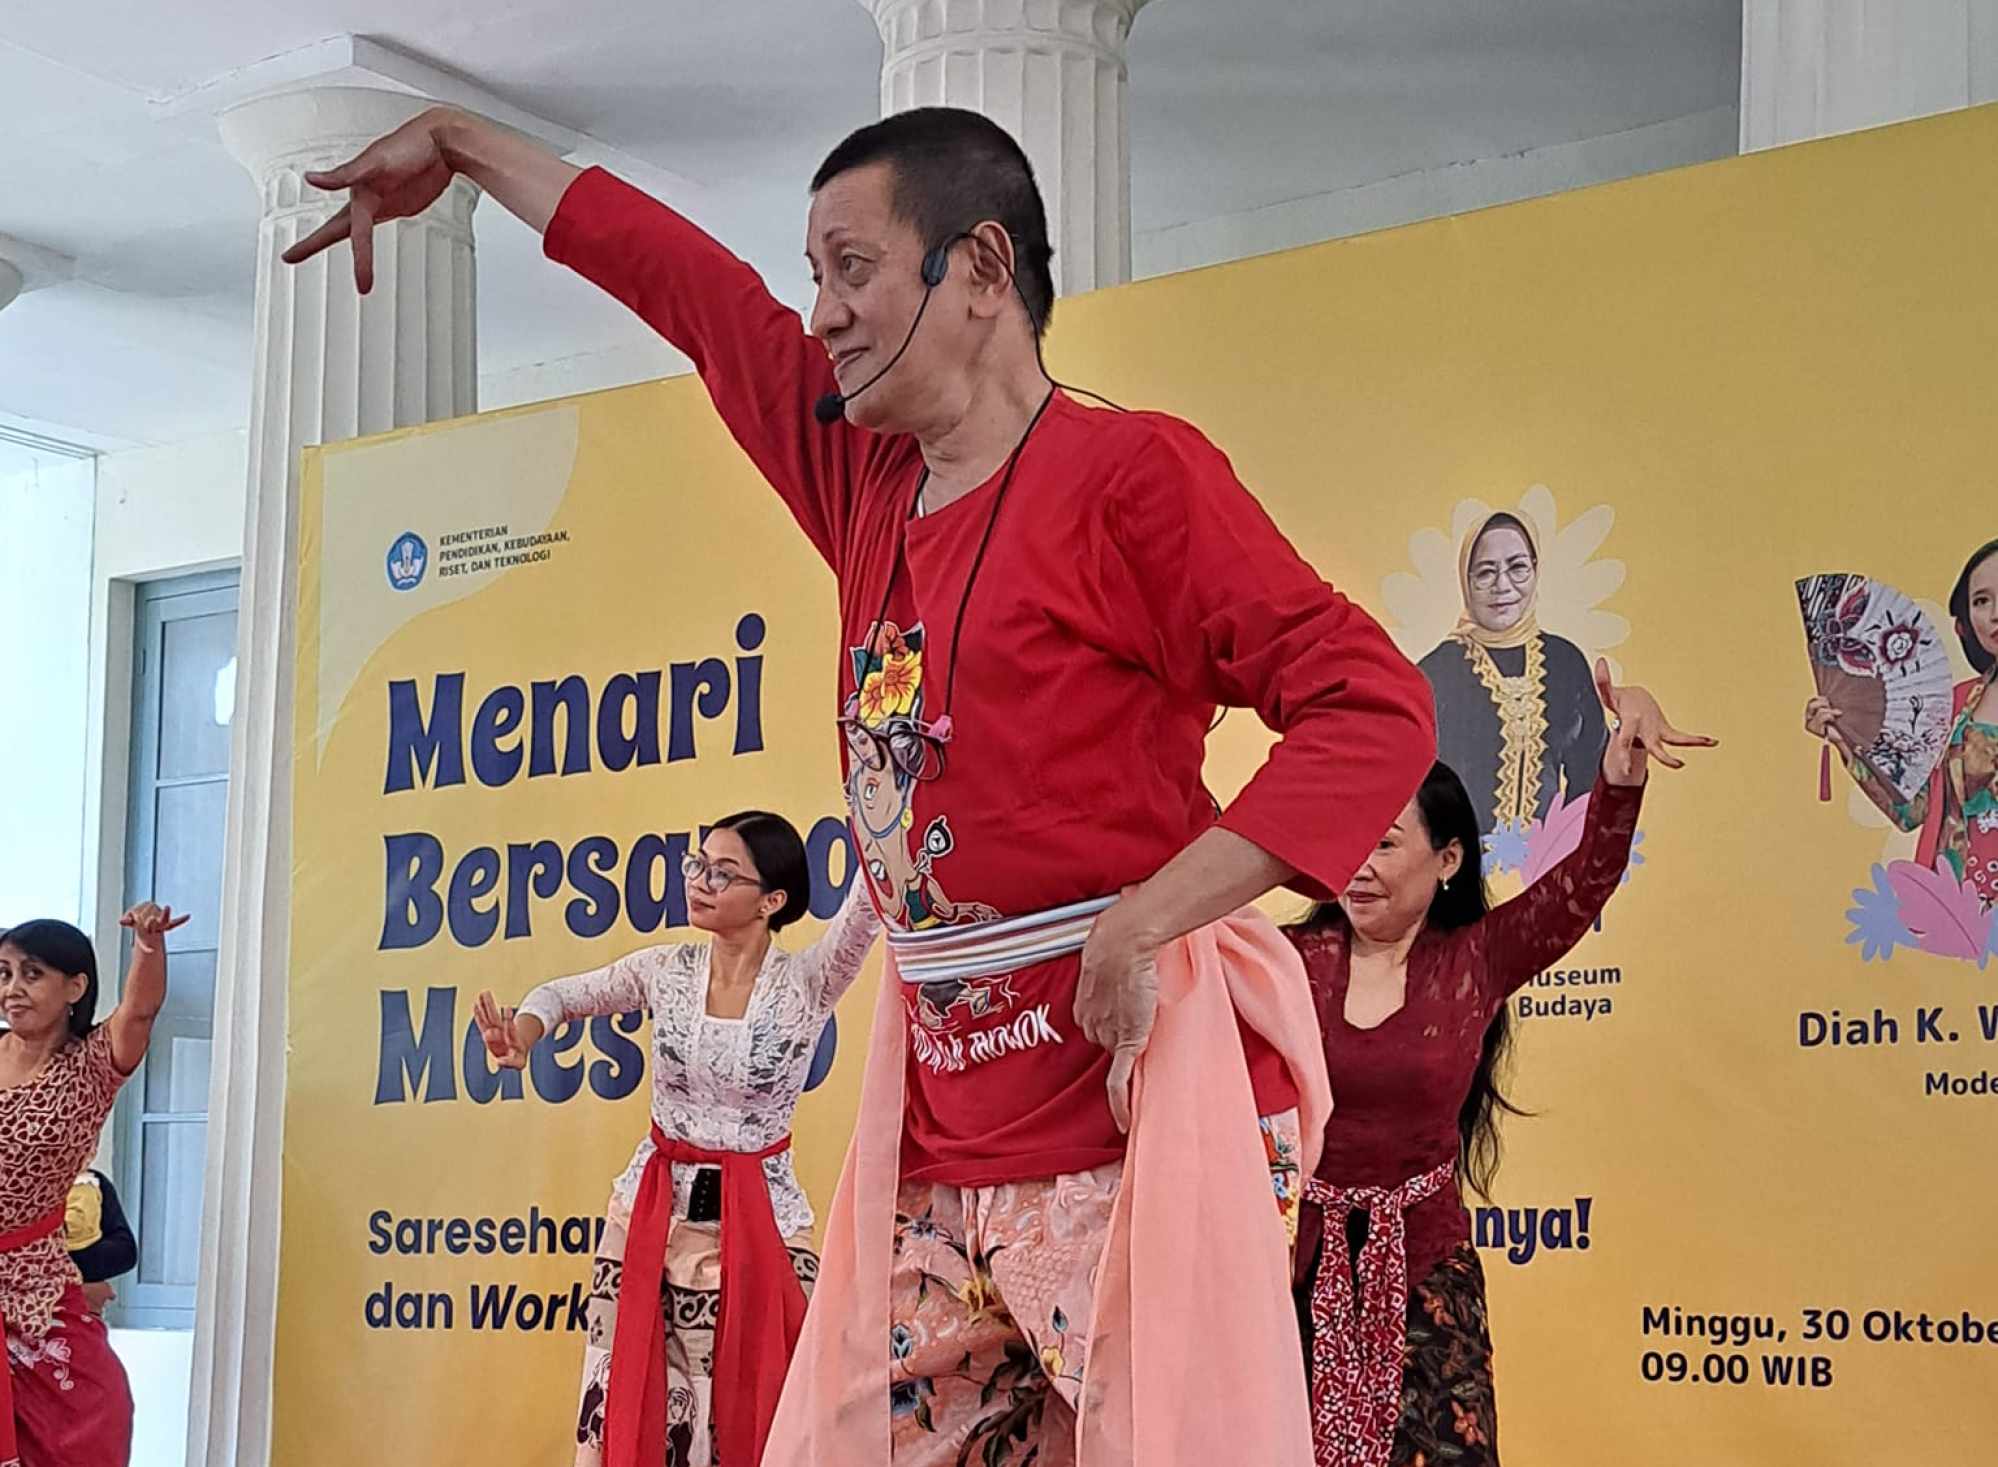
point(936, 264)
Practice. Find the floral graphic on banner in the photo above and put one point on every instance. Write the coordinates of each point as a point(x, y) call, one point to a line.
point(1915, 906)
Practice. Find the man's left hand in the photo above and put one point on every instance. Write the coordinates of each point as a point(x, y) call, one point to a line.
point(1117, 997)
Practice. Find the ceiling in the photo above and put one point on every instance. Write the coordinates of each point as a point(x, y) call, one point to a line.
point(1233, 106)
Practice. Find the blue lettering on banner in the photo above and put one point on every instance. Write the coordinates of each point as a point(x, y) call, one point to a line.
point(1836, 1030)
point(749, 633)
point(536, 1232)
point(425, 1062)
point(1526, 1232)
point(488, 893)
point(410, 1063)
point(595, 907)
point(418, 749)
point(617, 1074)
point(654, 894)
point(535, 867)
point(555, 727)
point(513, 729)
point(412, 912)
point(553, 1080)
point(491, 1306)
point(476, 876)
point(830, 833)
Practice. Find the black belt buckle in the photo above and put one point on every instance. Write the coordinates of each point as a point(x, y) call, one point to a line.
point(705, 1203)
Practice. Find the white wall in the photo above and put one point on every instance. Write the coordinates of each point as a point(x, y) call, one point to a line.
point(45, 532)
point(159, 1363)
point(159, 512)
point(1812, 68)
point(640, 361)
point(69, 530)
point(1474, 183)
point(1457, 188)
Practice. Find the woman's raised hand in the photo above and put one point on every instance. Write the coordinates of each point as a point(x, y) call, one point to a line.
point(497, 1030)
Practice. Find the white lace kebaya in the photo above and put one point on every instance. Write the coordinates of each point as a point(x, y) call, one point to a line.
point(723, 1084)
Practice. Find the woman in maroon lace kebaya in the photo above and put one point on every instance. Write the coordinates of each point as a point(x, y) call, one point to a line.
point(1411, 972)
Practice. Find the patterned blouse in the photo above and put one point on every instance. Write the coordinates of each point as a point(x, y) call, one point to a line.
point(48, 1129)
point(723, 1084)
point(1966, 825)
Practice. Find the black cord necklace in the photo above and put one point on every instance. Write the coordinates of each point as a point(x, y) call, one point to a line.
point(940, 728)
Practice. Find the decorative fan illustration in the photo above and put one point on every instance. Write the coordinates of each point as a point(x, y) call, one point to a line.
point(1878, 660)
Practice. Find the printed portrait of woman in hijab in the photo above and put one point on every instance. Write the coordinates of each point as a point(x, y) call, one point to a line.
point(1516, 709)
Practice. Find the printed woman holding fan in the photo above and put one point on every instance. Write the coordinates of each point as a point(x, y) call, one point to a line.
point(1957, 811)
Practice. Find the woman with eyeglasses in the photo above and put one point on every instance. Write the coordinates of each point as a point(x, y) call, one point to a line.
point(710, 1205)
point(1516, 709)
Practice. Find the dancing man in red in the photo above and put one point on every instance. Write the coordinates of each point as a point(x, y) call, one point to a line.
point(1055, 1233)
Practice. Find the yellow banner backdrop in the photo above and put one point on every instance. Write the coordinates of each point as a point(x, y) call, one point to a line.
point(1750, 1219)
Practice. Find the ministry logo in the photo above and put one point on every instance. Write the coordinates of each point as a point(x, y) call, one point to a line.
point(407, 558)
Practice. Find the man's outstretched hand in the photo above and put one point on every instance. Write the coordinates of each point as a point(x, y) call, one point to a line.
point(394, 177)
point(403, 173)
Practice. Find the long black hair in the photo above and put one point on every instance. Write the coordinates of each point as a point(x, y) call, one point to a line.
point(1448, 815)
point(1959, 607)
point(62, 947)
point(779, 853)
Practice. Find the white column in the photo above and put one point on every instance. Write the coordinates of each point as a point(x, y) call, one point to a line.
point(1052, 73)
point(329, 365)
point(1810, 68)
